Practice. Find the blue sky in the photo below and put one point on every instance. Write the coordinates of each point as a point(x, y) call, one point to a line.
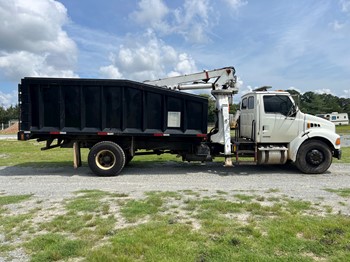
point(297, 44)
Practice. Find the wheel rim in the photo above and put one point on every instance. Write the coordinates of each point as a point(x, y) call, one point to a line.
point(314, 157)
point(105, 159)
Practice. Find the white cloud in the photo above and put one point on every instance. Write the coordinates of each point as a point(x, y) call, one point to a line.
point(22, 63)
point(151, 12)
point(235, 4)
point(336, 25)
point(8, 99)
point(345, 5)
point(194, 19)
point(33, 42)
point(324, 91)
point(244, 90)
point(296, 89)
point(239, 82)
point(185, 64)
point(111, 72)
point(148, 58)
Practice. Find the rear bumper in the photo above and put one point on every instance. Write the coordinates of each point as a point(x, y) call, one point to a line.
point(22, 135)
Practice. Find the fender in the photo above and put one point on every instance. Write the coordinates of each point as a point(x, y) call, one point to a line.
point(315, 133)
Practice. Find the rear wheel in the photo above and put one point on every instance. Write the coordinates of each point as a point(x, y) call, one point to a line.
point(314, 157)
point(106, 158)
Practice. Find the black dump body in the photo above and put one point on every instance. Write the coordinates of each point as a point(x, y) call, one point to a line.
point(88, 110)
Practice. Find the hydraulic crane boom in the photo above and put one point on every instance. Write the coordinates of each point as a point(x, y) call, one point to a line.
point(223, 84)
point(216, 79)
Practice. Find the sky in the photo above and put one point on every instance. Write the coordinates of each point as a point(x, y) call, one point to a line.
point(301, 45)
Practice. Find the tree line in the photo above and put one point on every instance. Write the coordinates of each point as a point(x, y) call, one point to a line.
point(7, 114)
point(313, 103)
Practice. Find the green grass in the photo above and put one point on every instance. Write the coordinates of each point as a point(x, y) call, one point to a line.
point(14, 199)
point(343, 129)
point(54, 247)
point(343, 192)
point(11, 226)
point(244, 197)
point(345, 158)
point(88, 201)
point(29, 153)
point(179, 226)
point(137, 209)
point(138, 160)
point(154, 241)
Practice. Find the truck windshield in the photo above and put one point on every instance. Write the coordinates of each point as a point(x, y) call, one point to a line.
point(275, 104)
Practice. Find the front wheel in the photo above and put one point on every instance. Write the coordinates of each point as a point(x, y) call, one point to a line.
point(106, 158)
point(314, 157)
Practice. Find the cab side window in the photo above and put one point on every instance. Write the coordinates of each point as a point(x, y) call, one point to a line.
point(244, 104)
point(248, 103)
point(275, 104)
point(251, 102)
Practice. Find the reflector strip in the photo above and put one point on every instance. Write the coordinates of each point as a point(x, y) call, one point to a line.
point(105, 134)
point(57, 133)
point(160, 134)
point(27, 132)
point(201, 135)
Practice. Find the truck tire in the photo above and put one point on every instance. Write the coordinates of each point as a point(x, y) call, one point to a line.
point(314, 157)
point(106, 159)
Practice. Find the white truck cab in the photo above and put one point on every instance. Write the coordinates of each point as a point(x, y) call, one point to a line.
point(270, 127)
point(280, 132)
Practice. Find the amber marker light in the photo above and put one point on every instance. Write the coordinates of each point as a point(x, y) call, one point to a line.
point(337, 142)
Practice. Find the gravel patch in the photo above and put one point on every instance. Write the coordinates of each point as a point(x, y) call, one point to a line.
point(8, 137)
point(55, 184)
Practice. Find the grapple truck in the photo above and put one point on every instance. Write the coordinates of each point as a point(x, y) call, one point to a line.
point(120, 119)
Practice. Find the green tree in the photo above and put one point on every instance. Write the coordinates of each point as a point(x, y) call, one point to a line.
point(345, 105)
point(312, 103)
point(9, 114)
point(330, 103)
point(2, 114)
point(12, 112)
point(296, 96)
point(211, 107)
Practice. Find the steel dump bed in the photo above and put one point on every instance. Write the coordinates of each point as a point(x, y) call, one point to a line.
point(53, 106)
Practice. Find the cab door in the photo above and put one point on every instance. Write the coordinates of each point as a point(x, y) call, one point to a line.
point(278, 119)
point(248, 118)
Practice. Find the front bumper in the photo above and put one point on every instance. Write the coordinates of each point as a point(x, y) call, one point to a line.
point(337, 153)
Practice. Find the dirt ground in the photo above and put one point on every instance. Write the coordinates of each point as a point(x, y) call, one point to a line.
point(10, 130)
